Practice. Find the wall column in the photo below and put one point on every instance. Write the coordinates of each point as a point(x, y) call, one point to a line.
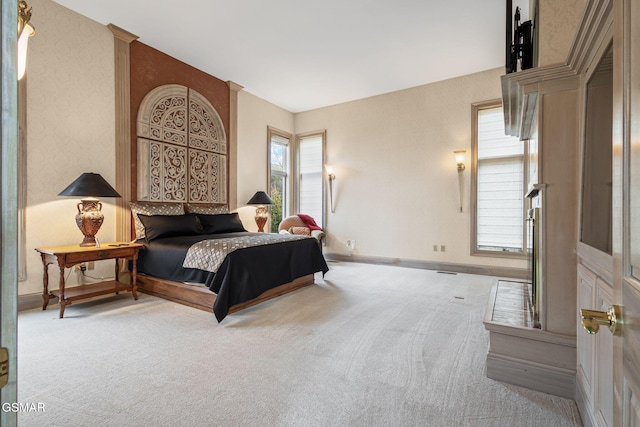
point(234, 88)
point(122, 39)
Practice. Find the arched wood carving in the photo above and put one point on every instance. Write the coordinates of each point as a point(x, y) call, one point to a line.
point(182, 148)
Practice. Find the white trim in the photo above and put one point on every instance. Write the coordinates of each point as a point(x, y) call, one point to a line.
point(532, 375)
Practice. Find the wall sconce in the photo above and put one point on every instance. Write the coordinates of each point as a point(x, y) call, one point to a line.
point(330, 176)
point(89, 218)
point(459, 155)
point(25, 30)
point(262, 211)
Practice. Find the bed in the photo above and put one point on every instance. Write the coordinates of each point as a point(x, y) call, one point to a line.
point(186, 260)
point(179, 193)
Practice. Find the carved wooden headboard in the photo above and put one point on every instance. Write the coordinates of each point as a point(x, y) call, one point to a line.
point(181, 149)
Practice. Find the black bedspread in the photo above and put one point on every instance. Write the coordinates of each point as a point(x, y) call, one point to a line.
point(244, 274)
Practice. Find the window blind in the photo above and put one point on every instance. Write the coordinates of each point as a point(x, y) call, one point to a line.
point(500, 216)
point(310, 179)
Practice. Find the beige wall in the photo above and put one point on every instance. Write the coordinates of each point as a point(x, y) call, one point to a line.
point(396, 186)
point(396, 189)
point(254, 116)
point(70, 122)
point(558, 22)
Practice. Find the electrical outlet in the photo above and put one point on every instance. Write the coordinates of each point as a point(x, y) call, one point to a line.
point(84, 266)
point(435, 248)
point(441, 248)
point(351, 244)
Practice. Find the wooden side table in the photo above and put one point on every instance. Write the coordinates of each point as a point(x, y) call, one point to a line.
point(68, 256)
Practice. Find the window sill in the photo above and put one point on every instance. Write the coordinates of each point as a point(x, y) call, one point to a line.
point(500, 254)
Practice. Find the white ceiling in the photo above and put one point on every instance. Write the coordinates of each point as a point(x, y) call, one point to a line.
point(305, 54)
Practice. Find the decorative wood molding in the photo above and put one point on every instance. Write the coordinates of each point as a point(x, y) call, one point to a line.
point(31, 301)
point(530, 357)
point(597, 20)
point(535, 376)
point(520, 96)
point(584, 406)
point(121, 34)
point(182, 148)
point(554, 94)
point(234, 88)
point(596, 260)
point(121, 41)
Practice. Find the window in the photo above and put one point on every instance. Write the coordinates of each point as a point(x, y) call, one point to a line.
point(305, 191)
point(498, 185)
point(310, 182)
point(278, 175)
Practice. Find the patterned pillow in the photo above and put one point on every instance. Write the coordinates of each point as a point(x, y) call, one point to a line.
point(207, 209)
point(300, 230)
point(152, 209)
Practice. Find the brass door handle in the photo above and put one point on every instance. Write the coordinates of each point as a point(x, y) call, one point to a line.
point(592, 319)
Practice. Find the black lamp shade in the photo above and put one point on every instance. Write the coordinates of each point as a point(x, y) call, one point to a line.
point(260, 198)
point(90, 185)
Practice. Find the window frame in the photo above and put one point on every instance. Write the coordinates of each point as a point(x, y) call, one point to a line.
point(286, 174)
point(473, 193)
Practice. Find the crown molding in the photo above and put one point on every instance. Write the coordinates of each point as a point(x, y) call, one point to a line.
point(520, 90)
point(122, 34)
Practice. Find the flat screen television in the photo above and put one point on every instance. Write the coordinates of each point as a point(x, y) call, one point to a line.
point(520, 41)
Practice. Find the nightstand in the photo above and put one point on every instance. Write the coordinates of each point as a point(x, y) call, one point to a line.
point(68, 256)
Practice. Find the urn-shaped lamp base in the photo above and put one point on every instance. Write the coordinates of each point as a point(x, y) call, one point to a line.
point(89, 220)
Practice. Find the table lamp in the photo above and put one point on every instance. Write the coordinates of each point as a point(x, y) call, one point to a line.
point(262, 211)
point(89, 218)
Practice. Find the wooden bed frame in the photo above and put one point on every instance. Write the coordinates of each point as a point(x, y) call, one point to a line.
point(202, 298)
point(191, 295)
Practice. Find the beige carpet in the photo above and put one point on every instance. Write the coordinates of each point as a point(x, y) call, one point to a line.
point(368, 346)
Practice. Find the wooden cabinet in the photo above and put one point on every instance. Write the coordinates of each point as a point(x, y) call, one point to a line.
point(594, 373)
point(546, 105)
point(548, 115)
point(594, 370)
point(68, 256)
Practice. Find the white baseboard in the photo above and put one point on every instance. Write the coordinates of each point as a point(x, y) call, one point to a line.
point(530, 357)
point(532, 375)
point(584, 407)
point(510, 272)
point(31, 301)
